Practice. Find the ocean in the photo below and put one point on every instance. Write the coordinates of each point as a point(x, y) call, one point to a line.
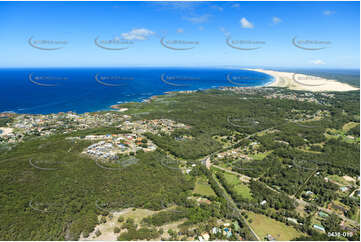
point(53, 90)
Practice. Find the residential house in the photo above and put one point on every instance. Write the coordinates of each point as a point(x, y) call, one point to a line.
point(319, 227)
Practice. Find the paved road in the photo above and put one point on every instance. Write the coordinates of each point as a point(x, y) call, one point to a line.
point(304, 184)
point(236, 209)
point(352, 193)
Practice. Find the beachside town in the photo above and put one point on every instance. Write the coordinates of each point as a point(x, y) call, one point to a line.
point(105, 147)
point(275, 93)
point(25, 125)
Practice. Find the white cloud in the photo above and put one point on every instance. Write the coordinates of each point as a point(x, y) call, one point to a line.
point(137, 34)
point(328, 12)
point(317, 62)
point(198, 19)
point(276, 20)
point(180, 30)
point(246, 24)
point(236, 5)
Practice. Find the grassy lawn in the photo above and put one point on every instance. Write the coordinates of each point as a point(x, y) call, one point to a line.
point(215, 169)
point(309, 151)
point(241, 188)
point(231, 179)
point(338, 179)
point(301, 210)
point(349, 126)
point(202, 187)
point(264, 132)
point(137, 214)
point(264, 225)
point(260, 156)
point(224, 165)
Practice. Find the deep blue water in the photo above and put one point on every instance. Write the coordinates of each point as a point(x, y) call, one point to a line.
point(92, 89)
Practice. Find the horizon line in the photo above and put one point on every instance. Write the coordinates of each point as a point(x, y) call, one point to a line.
point(182, 66)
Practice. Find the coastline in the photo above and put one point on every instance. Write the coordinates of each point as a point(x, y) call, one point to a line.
point(290, 80)
point(302, 82)
point(147, 100)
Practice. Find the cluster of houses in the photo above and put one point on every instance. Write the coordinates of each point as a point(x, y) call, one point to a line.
point(232, 154)
point(43, 125)
point(247, 90)
point(304, 97)
point(225, 230)
point(102, 150)
point(7, 135)
point(241, 153)
point(47, 124)
point(301, 116)
point(111, 146)
point(154, 126)
point(319, 227)
point(270, 93)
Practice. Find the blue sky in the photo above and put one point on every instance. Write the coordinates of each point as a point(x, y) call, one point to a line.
point(193, 34)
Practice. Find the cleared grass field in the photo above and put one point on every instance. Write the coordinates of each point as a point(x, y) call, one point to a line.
point(338, 179)
point(264, 225)
point(240, 187)
point(260, 156)
point(349, 126)
point(202, 187)
point(231, 179)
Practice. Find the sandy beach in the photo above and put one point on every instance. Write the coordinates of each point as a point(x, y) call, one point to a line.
point(296, 81)
point(291, 80)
